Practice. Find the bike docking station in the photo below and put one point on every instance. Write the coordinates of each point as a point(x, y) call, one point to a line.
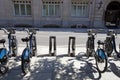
point(52, 46)
point(71, 47)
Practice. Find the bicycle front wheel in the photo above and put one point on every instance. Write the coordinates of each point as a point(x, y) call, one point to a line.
point(25, 65)
point(101, 64)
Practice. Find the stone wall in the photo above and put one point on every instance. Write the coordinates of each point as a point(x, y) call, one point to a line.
point(95, 19)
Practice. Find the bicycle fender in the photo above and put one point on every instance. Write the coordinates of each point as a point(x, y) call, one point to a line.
point(3, 52)
point(25, 54)
point(101, 53)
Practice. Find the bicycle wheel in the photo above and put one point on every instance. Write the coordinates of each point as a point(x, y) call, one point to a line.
point(108, 47)
point(25, 65)
point(101, 62)
point(4, 66)
point(3, 69)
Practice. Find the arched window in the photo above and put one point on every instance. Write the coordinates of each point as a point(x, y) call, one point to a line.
point(80, 8)
point(51, 8)
point(22, 7)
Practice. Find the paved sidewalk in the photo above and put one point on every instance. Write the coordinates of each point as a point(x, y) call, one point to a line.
point(62, 68)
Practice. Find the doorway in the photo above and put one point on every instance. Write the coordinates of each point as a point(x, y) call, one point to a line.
point(112, 14)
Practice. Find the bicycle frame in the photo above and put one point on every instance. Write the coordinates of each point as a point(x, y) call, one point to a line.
point(32, 42)
point(28, 51)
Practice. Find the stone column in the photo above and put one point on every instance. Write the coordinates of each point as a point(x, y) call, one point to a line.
point(66, 12)
point(92, 12)
point(37, 12)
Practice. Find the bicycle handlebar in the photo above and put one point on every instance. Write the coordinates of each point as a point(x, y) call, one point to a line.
point(8, 31)
point(5, 30)
point(111, 33)
point(92, 32)
point(30, 31)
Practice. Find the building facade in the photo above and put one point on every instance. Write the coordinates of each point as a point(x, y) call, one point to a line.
point(64, 13)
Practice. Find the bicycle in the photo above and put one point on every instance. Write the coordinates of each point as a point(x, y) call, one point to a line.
point(12, 50)
point(13, 47)
point(3, 58)
point(101, 57)
point(110, 44)
point(29, 51)
point(90, 43)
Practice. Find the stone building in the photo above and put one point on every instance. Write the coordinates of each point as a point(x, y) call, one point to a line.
point(64, 13)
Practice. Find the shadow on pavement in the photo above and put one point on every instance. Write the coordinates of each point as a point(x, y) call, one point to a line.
point(43, 69)
point(73, 71)
point(60, 68)
point(14, 72)
point(114, 68)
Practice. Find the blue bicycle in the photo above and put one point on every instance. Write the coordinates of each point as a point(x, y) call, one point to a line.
point(4, 53)
point(101, 57)
point(3, 58)
point(29, 51)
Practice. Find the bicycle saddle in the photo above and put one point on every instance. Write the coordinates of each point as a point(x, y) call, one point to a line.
point(2, 41)
point(26, 39)
point(33, 31)
point(100, 42)
point(110, 32)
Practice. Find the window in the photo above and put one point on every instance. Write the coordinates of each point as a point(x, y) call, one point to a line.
point(51, 8)
point(22, 8)
point(80, 8)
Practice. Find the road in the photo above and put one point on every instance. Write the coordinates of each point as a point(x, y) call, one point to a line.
point(61, 68)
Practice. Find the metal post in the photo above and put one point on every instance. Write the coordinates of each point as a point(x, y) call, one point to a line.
point(71, 47)
point(52, 45)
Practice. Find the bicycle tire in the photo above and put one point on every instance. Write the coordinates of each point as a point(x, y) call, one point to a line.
point(4, 64)
point(4, 70)
point(25, 65)
point(101, 60)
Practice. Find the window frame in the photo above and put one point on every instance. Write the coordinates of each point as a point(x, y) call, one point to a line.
point(54, 4)
point(81, 15)
point(19, 5)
